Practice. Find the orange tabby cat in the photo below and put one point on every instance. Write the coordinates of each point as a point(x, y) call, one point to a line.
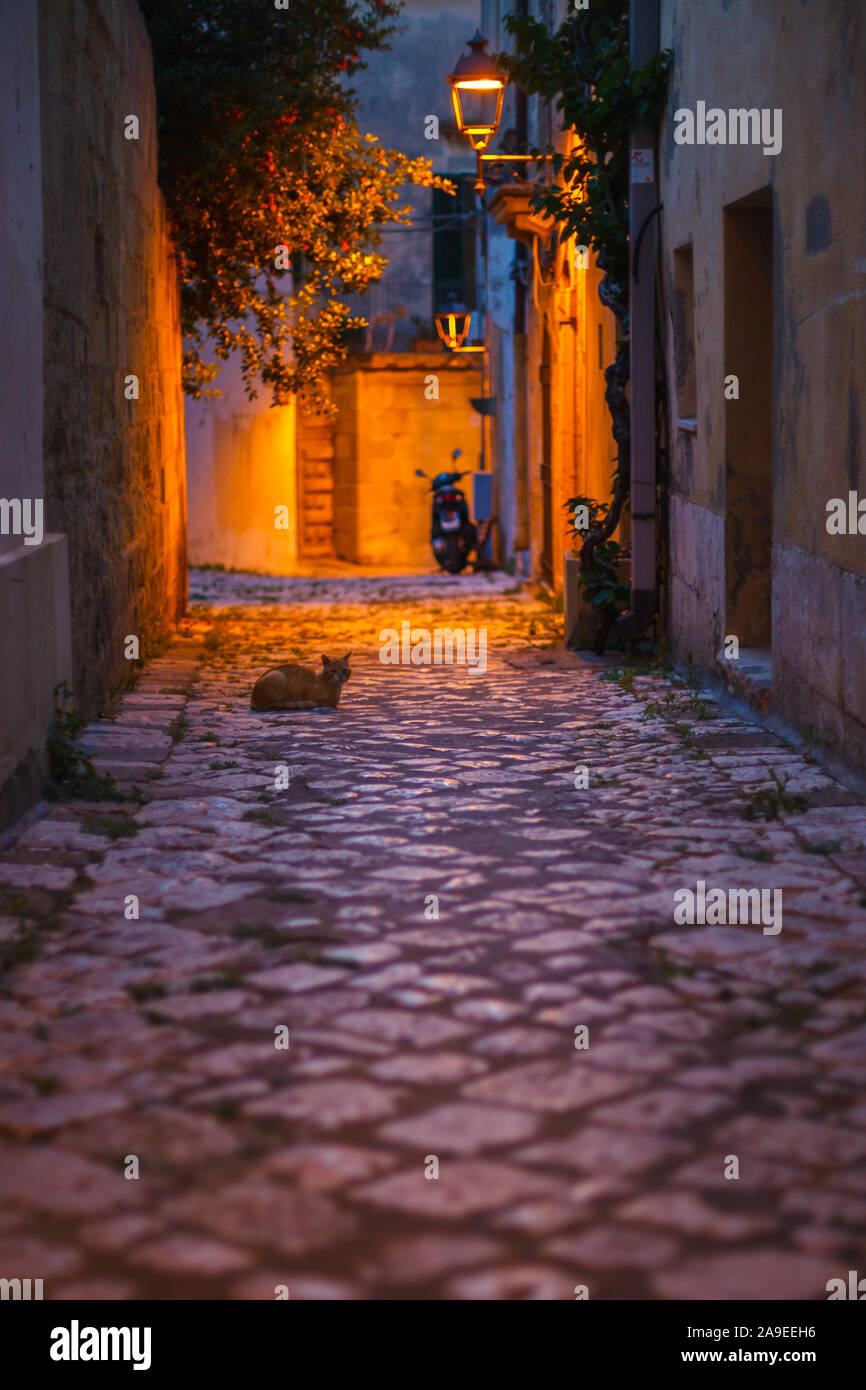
point(294, 687)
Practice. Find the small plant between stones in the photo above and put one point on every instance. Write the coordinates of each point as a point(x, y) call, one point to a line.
point(116, 826)
point(178, 727)
point(623, 676)
point(768, 802)
point(220, 979)
point(146, 989)
point(20, 949)
point(72, 774)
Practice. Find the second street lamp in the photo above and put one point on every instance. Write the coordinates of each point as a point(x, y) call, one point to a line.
point(452, 324)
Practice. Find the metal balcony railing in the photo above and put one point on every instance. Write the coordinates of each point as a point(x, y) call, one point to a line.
point(397, 312)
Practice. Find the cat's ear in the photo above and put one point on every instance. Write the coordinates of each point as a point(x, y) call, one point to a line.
point(326, 661)
point(346, 657)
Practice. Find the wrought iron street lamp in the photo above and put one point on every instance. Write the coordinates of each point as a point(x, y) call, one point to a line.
point(477, 93)
point(452, 324)
point(477, 90)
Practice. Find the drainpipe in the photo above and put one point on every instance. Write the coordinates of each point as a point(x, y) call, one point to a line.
point(643, 207)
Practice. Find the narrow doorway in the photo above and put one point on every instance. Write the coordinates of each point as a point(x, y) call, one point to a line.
point(749, 427)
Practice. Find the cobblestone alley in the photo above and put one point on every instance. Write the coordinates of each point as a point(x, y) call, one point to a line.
point(565, 1158)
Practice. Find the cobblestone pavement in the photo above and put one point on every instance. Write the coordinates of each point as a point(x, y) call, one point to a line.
point(414, 1038)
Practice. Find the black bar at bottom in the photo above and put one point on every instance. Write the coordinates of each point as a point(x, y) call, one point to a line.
point(226, 1339)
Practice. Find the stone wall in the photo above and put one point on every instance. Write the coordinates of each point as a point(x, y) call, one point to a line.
point(114, 468)
point(388, 425)
point(807, 63)
point(551, 429)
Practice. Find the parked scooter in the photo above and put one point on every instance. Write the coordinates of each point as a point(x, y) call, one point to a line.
point(453, 535)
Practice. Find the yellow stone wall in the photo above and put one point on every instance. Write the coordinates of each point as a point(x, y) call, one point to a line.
point(389, 423)
point(583, 453)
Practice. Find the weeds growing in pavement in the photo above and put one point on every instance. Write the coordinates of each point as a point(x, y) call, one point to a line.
point(178, 727)
point(114, 825)
point(258, 931)
point(290, 895)
point(676, 703)
point(662, 968)
point(44, 1085)
point(221, 639)
point(19, 949)
point(227, 1109)
point(820, 967)
point(72, 774)
point(146, 989)
point(221, 979)
point(761, 856)
point(768, 802)
point(623, 676)
point(260, 817)
point(665, 708)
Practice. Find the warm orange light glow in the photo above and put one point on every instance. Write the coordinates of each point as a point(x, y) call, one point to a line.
point(477, 90)
point(447, 327)
point(478, 127)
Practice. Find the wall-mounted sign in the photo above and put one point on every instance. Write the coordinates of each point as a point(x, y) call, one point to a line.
point(642, 166)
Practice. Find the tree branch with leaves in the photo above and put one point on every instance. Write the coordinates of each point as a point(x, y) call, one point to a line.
point(276, 200)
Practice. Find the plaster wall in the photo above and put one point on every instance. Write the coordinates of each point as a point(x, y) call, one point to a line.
point(806, 61)
point(241, 466)
point(35, 653)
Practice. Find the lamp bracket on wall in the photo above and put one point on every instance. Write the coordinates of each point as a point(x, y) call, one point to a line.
point(513, 168)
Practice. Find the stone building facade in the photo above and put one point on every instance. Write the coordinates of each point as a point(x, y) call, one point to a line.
point(398, 412)
point(764, 280)
point(550, 339)
point(90, 299)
